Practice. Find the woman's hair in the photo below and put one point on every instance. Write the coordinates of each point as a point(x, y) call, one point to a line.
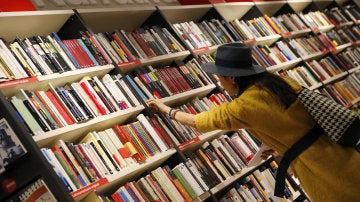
point(268, 81)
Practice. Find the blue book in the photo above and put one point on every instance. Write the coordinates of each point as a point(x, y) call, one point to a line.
point(123, 196)
point(138, 90)
point(132, 194)
point(56, 37)
point(88, 52)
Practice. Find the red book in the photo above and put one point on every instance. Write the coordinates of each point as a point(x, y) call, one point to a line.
point(142, 43)
point(79, 148)
point(57, 149)
point(160, 131)
point(128, 143)
point(60, 107)
point(94, 40)
point(117, 198)
point(86, 86)
point(48, 108)
point(167, 80)
point(69, 43)
point(122, 46)
point(157, 188)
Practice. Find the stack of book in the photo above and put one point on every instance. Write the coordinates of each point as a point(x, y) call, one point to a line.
point(334, 36)
point(301, 74)
point(268, 56)
point(182, 134)
point(352, 12)
point(102, 153)
point(204, 34)
point(325, 68)
point(336, 16)
point(76, 102)
point(141, 43)
point(351, 57)
point(165, 81)
point(290, 22)
point(258, 186)
point(225, 156)
point(307, 46)
point(255, 28)
point(345, 92)
point(315, 19)
point(43, 55)
point(349, 34)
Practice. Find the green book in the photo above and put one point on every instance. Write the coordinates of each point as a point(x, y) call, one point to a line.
point(184, 182)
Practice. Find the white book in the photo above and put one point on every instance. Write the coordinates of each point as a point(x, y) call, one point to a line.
point(217, 144)
point(119, 145)
point(198, 31)
point(50, 156)
point(83, 96)
point(165, 183)
point(143, 87)
point(193, 169)
point(52, 107)
point(15, 67)
point(180, 32)
point(241, 145)
point(35, 49)
point(112, 149)
point(99, 165)
point(187, 175)
point(27, 58)
point(126, 88)
point(62, 53)
point(105, 91)
point(116, 93)
point(71, 157)
point(155, 136)
point(114, 166)
point(108, 48)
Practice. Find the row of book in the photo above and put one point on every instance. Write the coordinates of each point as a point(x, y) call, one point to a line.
point(202, 170)
point(289, 22)
point(166, 81)
point(276, 54)
point(43, 55)
point(352, 12)
point(312, 72)
point(203, 34)
point(75, 102)
point(259, 186)
point(182, 134)
point(141, 43)
point(346, 92)
point(315, 19)
point(102, 153)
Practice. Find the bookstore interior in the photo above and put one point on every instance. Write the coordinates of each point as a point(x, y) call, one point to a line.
point(74, 123)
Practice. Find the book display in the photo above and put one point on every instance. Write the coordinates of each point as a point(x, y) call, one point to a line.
point(73, 96)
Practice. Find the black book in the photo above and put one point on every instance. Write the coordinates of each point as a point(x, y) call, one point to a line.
point(56, 54)
point(102, 96)
point(83, 163)
point(42, 54)
point(36, 116)
point(79, 100)
point(30, 55)
point(92, 48)
point(123, 38)
point(69, 104)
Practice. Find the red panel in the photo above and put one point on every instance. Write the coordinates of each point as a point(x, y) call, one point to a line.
point(16, 5)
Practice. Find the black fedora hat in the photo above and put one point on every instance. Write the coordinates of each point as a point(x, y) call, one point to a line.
point(233, 59)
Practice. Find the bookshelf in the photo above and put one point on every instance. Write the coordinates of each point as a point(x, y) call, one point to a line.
point(69, 22)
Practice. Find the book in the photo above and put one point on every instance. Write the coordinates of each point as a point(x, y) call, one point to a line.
point(37, 190)
point(11, 146)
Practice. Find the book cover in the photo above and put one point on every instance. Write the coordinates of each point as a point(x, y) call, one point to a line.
point(36, 191)
point(11, 147)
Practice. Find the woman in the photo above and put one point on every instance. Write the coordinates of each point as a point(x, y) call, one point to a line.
point(267, 106)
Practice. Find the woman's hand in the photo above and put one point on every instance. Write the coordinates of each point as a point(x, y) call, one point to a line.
point(266, 153)
point(158, 106)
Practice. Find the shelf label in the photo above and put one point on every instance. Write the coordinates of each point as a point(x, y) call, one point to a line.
point(89, 188)
point(185, 144)
point(18, 82)
point(126, 64)
point(198, 50)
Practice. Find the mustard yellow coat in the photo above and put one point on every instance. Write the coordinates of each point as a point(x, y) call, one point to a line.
point(327, 171)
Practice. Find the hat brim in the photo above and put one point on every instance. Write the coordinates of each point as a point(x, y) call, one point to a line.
point(212, 68)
